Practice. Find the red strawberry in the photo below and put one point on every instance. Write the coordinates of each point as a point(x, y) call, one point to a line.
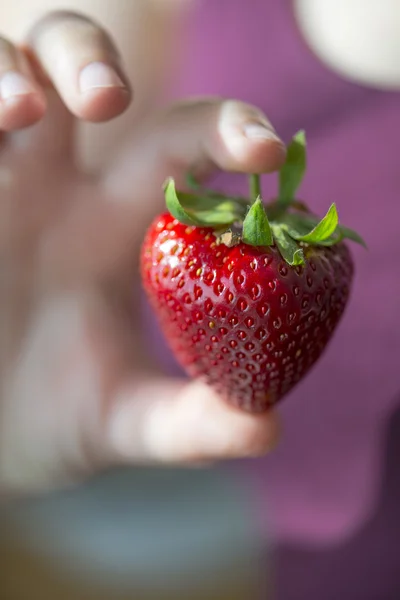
point(249, 313)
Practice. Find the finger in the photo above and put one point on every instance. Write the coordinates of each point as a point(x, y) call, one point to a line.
point(198, 136)
point(167, 422)
point(201, 136)
point(22, 102)
point(83, 64)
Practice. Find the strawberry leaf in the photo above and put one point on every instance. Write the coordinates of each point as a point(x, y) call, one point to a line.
point(333, 239)
point(174, 205)
point(202, 193)
point(288, 247)
point(324, 229)
point(198, 203)
point(191, 181)
point(298, 226)
point(352, 235)
point(220, 214)
point(292, 172)
point(256, 227)
point(190, 209)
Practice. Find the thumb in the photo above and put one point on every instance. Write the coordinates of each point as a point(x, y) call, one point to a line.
point(181, 423)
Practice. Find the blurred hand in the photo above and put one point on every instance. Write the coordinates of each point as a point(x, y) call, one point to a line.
point(76, 392)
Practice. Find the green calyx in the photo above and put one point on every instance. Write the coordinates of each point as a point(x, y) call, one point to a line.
point(285, 222)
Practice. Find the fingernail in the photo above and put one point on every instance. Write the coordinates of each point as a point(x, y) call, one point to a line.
point(255, 131)
point(14, 84)
point(98, 75)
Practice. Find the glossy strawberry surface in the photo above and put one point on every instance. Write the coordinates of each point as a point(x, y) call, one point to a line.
point(240, 317)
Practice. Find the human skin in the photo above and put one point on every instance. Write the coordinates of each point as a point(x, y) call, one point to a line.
point(77, 393)
point(91, 407)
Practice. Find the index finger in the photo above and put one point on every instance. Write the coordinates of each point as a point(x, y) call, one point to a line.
point(199, 136)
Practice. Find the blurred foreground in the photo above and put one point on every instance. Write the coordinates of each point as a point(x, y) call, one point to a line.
point(140, 534)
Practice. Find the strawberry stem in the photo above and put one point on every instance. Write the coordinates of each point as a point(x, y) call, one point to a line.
point(255, 187)
point(285, 222)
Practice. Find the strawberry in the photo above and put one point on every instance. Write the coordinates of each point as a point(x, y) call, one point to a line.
point(248, 295)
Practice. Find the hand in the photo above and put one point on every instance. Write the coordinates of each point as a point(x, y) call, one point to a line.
point(76, 393)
